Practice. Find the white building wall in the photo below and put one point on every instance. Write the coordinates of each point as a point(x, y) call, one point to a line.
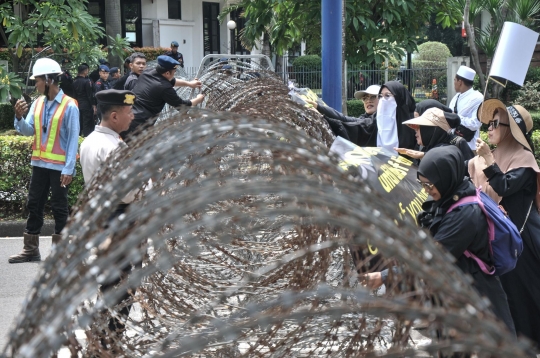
point(159, 31)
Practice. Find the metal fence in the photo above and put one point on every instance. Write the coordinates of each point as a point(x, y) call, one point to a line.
point(421, 82)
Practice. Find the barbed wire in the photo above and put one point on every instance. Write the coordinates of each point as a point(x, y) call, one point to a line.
point(243, 236)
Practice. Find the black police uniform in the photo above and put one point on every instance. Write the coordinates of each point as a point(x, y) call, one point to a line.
point(131, 81)
point(84, 94)
point(119, 85)
point(94, 75)
point(66, 84)
point(101, 85)
point(177, 56)
point(153, 91)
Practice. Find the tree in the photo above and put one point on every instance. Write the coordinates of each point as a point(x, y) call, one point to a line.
point(63, 26)
point(375, 30)
point(113, 27)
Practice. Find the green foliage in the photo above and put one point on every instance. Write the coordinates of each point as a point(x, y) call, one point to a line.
point(510, 93)
point(433, 51)
point(64, 26)
point(374, 30)
point(16, 171)
point(307, 71)
point(355, 108)
point(7, 115)
point(308, 61)
point(9, 83)
point(151, 53)
point(535, 141)
point(529, 96)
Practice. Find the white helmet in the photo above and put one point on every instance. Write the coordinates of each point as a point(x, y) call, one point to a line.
point(45, 66)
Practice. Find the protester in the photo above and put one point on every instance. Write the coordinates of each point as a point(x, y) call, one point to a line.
point(53, 121)
point(511, 177)
point(465, 104)
point(137, 66)
point(395, 106)
point(173, 53)
point(362, 131)
point(434, 129)
point(155, 89)
point(84, 94)
point(424, 105)
point(442, 175)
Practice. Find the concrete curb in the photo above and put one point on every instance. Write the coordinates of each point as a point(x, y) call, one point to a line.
point(16, 228)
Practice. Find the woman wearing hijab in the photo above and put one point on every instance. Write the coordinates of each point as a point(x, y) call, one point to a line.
point(434, 129)
point(362, 131)
point(442, 175)
point(396, 105)
point(510, 175)
point(421, 107)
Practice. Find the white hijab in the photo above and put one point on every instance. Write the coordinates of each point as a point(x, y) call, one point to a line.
point(387, 133)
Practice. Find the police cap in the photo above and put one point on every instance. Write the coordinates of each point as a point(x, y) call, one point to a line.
point(174, 44)
point(167, 62)
point(102, 61)
point(114, 70)
point(104, 68)
point(115, 97)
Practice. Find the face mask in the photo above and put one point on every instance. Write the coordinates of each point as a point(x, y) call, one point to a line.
point(387, 135)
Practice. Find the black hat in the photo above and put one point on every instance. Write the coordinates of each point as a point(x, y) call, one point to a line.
point(114, 70)
point(115, 97)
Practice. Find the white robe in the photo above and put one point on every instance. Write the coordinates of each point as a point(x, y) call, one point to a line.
point(467, 106)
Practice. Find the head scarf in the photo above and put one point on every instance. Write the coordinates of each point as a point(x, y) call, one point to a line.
point(433, 136)
point(444, 167)
point(404, 111)
point(508, 155)
point(421, 107)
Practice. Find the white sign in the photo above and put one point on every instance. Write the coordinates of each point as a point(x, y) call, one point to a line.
point(514, 52)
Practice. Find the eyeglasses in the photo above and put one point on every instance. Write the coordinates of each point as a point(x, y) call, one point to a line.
point(496, 123)
point(426, 186)
point(369, 98)
point(387, 95)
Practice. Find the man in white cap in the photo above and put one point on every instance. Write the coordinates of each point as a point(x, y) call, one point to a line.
point(361, 131)
point(465, 104)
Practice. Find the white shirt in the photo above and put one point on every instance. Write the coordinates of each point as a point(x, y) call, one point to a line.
point(467, 106)
point(95, 149)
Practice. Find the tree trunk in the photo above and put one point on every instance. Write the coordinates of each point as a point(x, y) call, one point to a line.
point(113, 27)
point(343, 63)
point(472, 44)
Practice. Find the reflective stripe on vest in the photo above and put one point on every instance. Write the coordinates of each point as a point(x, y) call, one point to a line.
point(50, 151)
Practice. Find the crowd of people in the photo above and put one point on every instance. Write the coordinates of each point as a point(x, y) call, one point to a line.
point(444, 141)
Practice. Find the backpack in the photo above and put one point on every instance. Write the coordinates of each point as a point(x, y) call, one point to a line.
point(505, 243)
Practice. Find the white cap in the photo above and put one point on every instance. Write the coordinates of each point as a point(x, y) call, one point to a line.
point(45, 66)
point(373, 89)
point(466, 72)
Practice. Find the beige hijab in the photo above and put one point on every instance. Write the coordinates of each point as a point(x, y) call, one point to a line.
point(509, 155)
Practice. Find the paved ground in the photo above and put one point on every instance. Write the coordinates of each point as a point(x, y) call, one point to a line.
point(15, 280)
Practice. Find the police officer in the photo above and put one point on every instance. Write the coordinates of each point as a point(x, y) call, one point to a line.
point(137, 66)
point(53, 121)
point(94, 75)
point(155, 88)
point(173, 53)
point(119, 85)
point(103, 82)
point(84, 94)
point(66, 80)
point(114, 76)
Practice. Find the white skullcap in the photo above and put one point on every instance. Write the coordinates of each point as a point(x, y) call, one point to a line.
point(466, 72)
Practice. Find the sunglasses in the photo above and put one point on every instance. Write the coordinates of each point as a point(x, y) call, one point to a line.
point(369, 98)
point(426, 186)
point(387, 96)
point(496, 123)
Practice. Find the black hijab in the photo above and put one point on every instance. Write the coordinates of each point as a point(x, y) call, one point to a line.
point(433, 137)
point(404, 111)
point(445, 168)
point(421, 107)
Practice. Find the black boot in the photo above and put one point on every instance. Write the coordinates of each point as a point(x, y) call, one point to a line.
point(30, 250)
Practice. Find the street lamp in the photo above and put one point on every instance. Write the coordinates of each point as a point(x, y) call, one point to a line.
point(231, 25)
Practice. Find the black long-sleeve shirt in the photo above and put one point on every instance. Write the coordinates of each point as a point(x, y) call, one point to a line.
point(83, 92)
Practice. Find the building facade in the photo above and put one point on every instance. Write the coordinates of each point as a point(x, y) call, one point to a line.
point(192, 23)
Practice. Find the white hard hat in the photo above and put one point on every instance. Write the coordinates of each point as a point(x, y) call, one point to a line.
point(45, 66)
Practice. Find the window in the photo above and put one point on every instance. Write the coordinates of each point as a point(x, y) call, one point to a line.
point(211, 28)
point(239, 49)
point(175, 9)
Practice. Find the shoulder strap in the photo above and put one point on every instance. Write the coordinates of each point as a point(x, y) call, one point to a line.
point(473, 199)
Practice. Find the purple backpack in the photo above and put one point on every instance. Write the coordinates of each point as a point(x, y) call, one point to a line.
point(505, 243)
